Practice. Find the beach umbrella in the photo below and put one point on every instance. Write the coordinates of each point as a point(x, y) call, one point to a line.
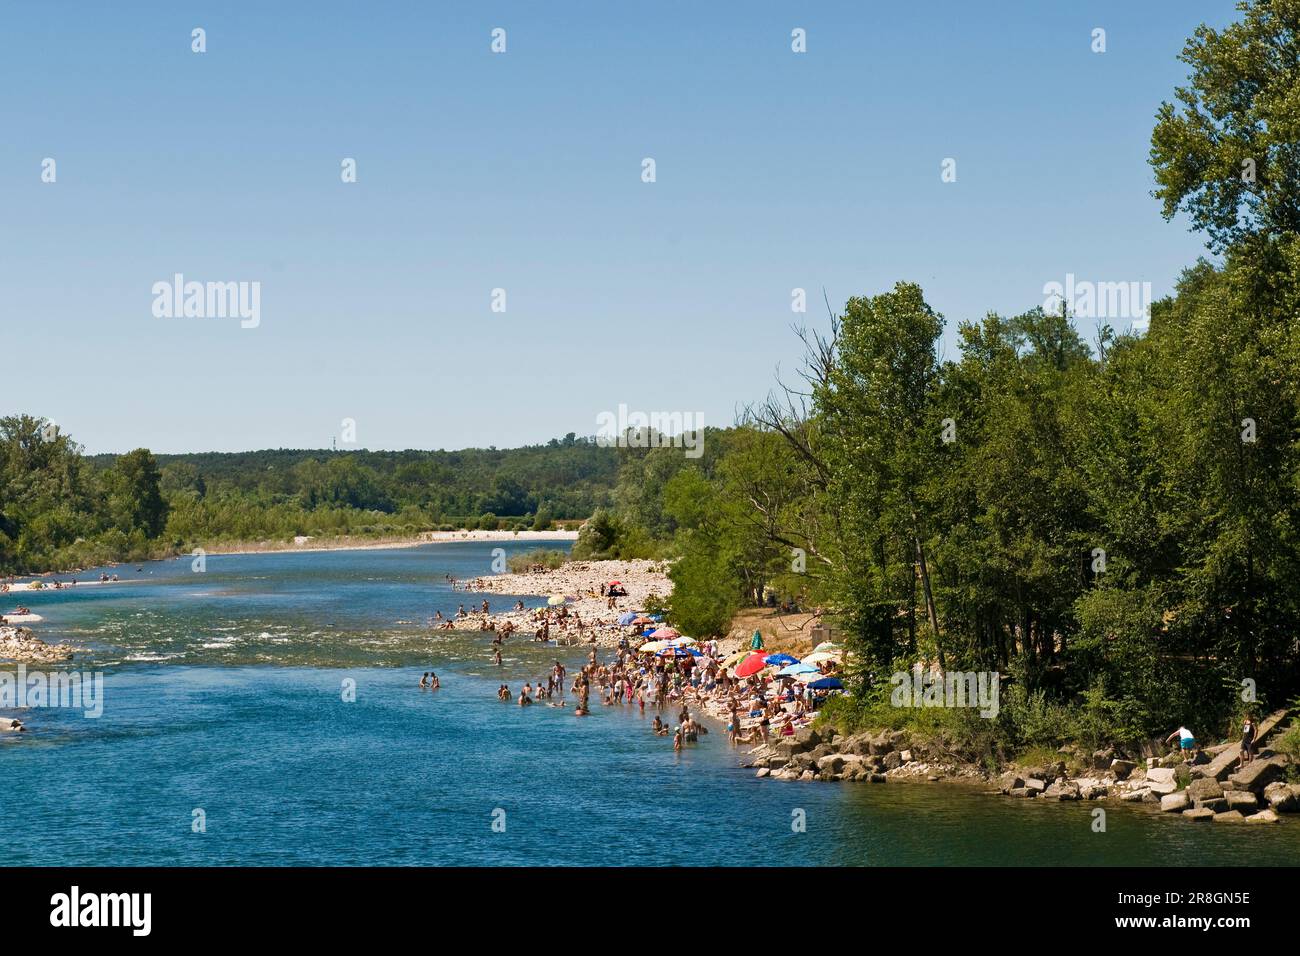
point(651, 646)
point(673, 652)
point(827, 646)
point(555, 599)
point(781, 659)
point(733, 659)
point(819, 657)
point(797, 668)
point(615, 584)
point(756, 643)
point(642, 619)
point(665, 634)
point(827, 683)
point(682, 641)
point(751, 665)
point(628, 617)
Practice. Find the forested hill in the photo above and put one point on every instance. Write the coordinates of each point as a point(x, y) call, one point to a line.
point(60, 509)
point(566, 478)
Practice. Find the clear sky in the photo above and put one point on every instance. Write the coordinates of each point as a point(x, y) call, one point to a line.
point(523, 171)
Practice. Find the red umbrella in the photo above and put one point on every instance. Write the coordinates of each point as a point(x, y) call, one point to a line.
point(615, 584)
point(751, 665)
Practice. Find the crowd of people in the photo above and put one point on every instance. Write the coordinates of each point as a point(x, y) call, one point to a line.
point(679, 683)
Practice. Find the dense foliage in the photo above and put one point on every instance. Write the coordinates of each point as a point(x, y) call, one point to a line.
point(1114, 524)
point(59, 509)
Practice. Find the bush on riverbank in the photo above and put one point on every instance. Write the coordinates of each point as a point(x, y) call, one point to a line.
point(548, 558)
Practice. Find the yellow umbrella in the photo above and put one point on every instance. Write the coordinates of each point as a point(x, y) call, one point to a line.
point(680, 641)
point(818, 657)
point(736, 658)
point(652, 646)
point(555, 599)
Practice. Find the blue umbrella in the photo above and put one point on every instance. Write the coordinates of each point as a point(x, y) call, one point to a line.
point(781, 659)
point(796, 668)
point(827, 683)
point(627, 617)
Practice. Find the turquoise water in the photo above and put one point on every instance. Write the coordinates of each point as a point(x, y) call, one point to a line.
point(224, 693)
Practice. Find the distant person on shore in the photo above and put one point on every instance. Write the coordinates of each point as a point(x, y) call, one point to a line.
point(1248, 732)
point(1187, 741)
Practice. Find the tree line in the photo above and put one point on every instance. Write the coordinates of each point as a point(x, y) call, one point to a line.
point(1113, 522)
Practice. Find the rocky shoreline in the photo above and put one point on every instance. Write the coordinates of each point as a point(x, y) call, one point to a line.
point(1209, 790)
point(20, 645)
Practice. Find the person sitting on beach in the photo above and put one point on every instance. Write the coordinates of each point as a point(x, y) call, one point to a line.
point(460, 611)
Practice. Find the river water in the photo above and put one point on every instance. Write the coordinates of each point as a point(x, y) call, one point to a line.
point(224, 704)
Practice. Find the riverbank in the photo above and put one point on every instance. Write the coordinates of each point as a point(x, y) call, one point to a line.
point(587, 616)
point(1212, 788)
point(355, 543)
point(38, 580)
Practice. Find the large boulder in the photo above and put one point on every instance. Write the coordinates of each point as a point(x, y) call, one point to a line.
point(893, 760)
point(1230, 816)
point(1175, 802)
point(1283, 797)
point(1122, 768)
point(831, 763)
point(880, 745)
point(1063, 790)
point(1217, 805)
point(1199, 816)
point(1135, 796)
point(1010, 781)
point(1242, 800)
point(859, 744)
point(1264, 816)
point(1161, 775)
point(1204, 789)
point(1036, 785)
point(1258, 774)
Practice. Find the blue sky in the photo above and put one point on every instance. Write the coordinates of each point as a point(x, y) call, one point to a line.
point(522, 171)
